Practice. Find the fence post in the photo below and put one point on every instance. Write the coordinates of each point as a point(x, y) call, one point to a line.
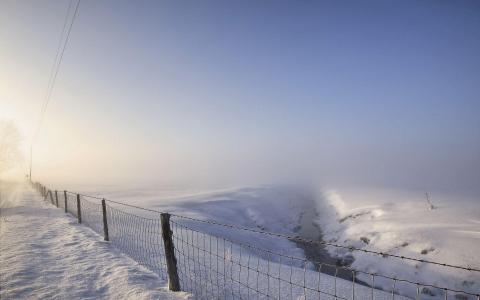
point(51, 196)
point(79, 210)
point(65, 197)
point(56, 197)
point(105, 224)
point(173, 281)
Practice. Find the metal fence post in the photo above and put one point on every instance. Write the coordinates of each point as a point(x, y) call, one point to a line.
point(56, 197)
point(65, 197)
point(79, 210)
point(105, 224)
point(173, 280)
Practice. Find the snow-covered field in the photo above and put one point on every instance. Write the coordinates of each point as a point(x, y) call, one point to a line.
point(402, 223)
point(395, 222)
point(381, 220)
point(46, 254)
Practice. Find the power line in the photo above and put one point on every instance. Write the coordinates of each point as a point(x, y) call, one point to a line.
point(56, 67)
point(55, 61)
point(54, 73)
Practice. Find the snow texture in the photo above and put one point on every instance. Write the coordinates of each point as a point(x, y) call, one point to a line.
point(45, 254)
point(388, 221)
point(402, 223)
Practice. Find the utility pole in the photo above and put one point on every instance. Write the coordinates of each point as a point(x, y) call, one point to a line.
point(31, 155)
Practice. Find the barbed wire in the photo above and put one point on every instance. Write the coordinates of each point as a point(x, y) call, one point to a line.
point(212, 266)
point(294, 238)
point(184, 237)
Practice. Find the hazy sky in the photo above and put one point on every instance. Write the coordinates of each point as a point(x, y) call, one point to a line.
point(235, 92)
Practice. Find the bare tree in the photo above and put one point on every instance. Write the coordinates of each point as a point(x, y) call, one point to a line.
point(9, 146)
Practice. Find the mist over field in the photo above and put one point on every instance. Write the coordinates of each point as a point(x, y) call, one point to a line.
point(247, 93)
point(318, 131)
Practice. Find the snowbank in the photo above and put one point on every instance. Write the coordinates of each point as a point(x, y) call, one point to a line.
point(401, 223)
point(46, 255)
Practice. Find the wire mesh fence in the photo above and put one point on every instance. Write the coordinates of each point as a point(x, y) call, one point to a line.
point(92, 215)
point(61, 199)
point(212, 266)
point(72, 204)
point(219, 263)
point(139, 237)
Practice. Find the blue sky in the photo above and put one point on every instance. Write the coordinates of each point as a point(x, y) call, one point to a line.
point(364, 92)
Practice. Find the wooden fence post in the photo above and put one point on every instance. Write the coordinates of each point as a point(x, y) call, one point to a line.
point(173, 281)
point(79, 210)
point(56, 197)
point(105, 224)
point(65, 197)
point(51, 197)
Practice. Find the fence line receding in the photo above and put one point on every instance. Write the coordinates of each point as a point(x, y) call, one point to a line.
point(211, 266)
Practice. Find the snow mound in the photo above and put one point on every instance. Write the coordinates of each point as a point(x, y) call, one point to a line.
point(402, 223)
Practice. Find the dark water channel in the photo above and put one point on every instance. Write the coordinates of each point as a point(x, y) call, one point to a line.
point(317, 253)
